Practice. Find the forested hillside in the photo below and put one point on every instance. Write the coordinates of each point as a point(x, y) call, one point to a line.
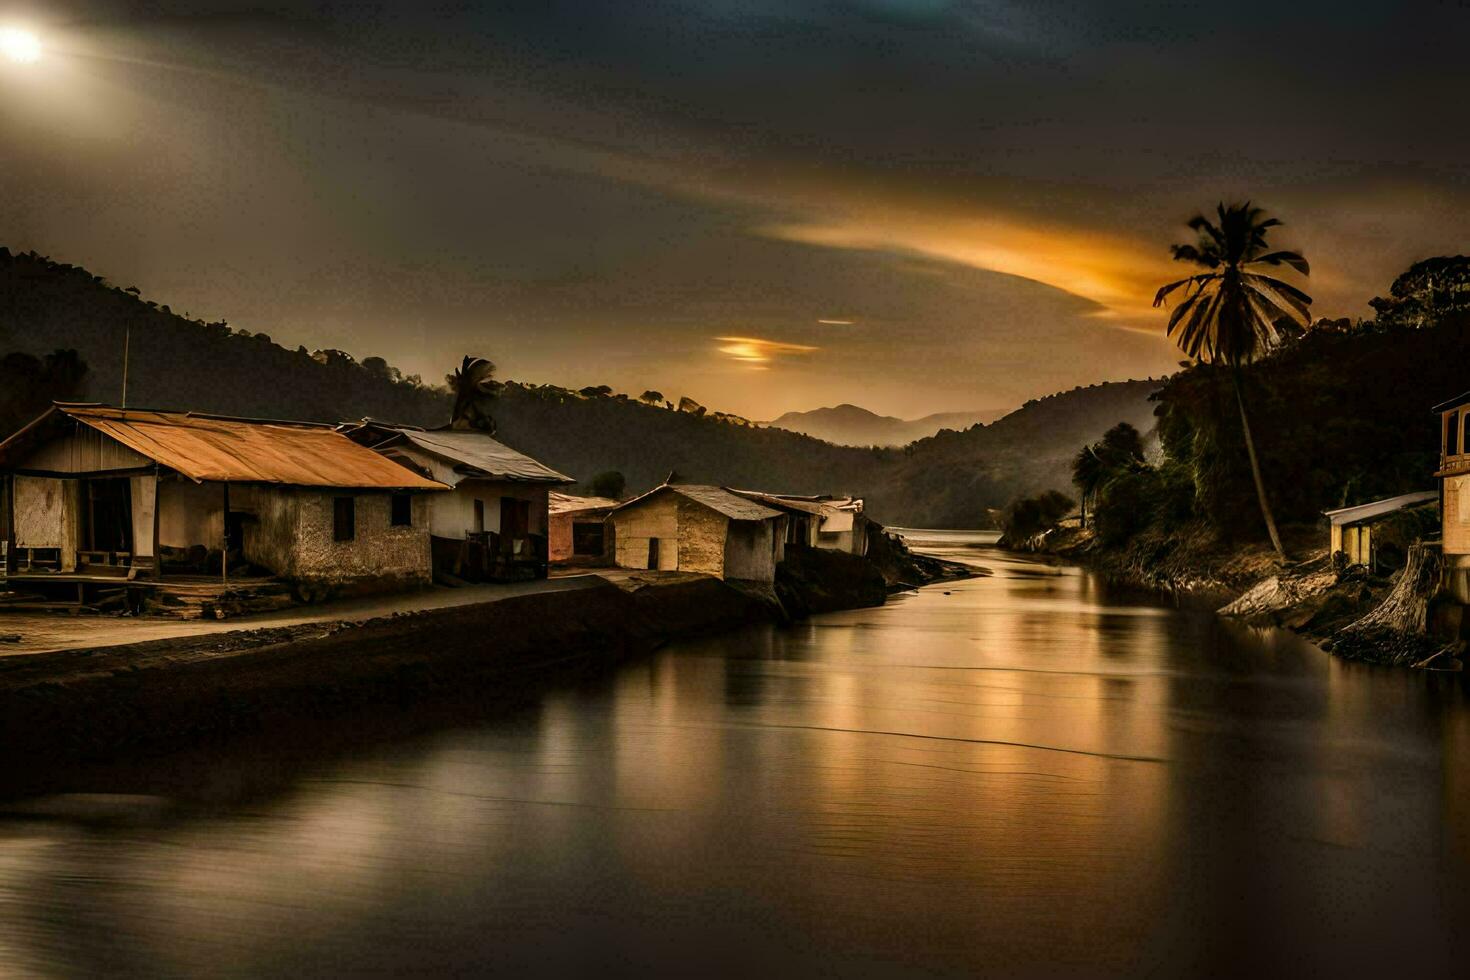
point(953, 479)
point(1341, 415)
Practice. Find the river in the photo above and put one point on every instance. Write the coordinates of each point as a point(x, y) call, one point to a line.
point(1023, 773)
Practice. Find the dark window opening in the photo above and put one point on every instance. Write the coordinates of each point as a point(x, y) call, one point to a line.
point(587, 538)
point(344, 518)
point(1452, 434)
point(515, 517)
point(402, 515)
point(479, 517)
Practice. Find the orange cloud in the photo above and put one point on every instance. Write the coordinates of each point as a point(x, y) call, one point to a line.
point(757, 352)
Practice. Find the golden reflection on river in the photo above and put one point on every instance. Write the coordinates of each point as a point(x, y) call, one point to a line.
point(1023, 773)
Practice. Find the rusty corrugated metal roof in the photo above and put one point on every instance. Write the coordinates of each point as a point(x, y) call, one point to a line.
point(244, 451)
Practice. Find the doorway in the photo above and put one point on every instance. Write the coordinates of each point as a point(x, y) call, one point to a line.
point(653, 553)
point(107, 517)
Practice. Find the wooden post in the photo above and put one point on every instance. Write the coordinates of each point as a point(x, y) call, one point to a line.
point(12, 559)
point(224, 555)
point(157, 554)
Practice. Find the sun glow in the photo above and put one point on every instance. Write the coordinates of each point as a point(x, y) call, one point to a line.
point(756, 352)
point(19, 46)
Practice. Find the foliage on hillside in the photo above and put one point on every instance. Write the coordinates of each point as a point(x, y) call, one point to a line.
point(1342, 417)
point(954, 479)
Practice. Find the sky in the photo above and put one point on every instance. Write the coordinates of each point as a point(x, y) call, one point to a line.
point(766, 205)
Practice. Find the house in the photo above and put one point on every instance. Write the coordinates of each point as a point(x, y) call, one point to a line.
point(94, 492)
point(1352, 527)
point(492, 525)
point(690, 528)
point(834, 523)
point(578, 532)
point(1454, 493)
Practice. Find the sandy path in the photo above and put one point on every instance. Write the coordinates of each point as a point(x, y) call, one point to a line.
point(43, 632)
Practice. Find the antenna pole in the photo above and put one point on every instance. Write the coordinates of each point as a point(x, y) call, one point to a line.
point(127, 342)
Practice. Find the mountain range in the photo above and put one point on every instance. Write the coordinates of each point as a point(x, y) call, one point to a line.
point(852, 425)
point(948, 479)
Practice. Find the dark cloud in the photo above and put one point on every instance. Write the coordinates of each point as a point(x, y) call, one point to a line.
point(595, 192)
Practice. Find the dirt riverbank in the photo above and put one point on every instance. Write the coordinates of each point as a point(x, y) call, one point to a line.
point(81, 706)
point(100, 706)
point(1332, 607)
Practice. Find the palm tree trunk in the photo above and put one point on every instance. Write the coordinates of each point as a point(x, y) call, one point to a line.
point(1250, 449)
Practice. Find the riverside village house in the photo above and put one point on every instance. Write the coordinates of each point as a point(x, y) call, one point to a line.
point(492, 525)
point(94, 494)
point(579, 532)
point(1454, 489)
point(691, 528)
point(833, 523)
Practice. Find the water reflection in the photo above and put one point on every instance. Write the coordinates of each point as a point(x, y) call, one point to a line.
point(1022, 773)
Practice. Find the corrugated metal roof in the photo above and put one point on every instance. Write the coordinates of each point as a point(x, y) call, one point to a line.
point(565, 503)
point(489, 456)
point(244, 451)
point(718, 499)
point(1377, 508)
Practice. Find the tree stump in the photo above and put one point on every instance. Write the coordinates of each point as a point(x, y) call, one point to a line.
point(1397, 632)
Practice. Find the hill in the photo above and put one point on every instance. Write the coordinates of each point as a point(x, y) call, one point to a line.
point(851, 425)
point(955, 479)
point(949, 479)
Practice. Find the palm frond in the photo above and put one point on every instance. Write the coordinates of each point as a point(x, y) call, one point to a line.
point(1164, 291)
point(1293, 259)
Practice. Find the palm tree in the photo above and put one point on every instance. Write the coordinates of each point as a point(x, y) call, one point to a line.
point(475, 388)
point(1088, 473)
point(1121, 450)
point(1230, 312)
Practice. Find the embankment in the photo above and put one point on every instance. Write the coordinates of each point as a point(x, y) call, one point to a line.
point(84, 706)
point(1347, 611)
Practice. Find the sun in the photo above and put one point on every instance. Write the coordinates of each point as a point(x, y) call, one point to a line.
point(19, 46)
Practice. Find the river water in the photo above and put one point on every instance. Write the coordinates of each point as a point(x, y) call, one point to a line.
point(1022, 773)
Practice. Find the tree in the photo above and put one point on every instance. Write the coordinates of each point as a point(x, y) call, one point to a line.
point(28, 385)
point(1029, 516)
point(475, 388)
point(1088, 473)
point(651, 397)
point(1229, 312)
point(608, 484)
point(1119, 451)
point(1433, 291)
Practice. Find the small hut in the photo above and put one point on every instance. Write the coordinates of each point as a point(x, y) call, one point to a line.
point(493, 525)
point(578, 532)
point(692, 528)
point(1352, 527)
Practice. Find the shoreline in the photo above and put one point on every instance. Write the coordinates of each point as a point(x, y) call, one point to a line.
point(1250, 585)
point(84, 710)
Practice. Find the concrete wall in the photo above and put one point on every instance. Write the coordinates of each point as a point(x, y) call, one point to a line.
point(1457, 515)
point(752, 549)
point(380, 556)
point(657, 517)
point(452, 514)
point(702, 535)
